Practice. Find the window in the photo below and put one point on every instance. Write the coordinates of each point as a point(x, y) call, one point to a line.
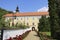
point(14, 17)
point(33, 18)
point(27, 18)
point(27, 23)
point(21, 18)
point(17, 18)
point(32, 23)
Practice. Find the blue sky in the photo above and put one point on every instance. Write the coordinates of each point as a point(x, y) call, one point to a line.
point(24, 5)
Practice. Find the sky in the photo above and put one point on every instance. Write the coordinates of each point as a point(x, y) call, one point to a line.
point(24, 5)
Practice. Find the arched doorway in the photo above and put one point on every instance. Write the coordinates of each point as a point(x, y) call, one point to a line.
point(33, 28)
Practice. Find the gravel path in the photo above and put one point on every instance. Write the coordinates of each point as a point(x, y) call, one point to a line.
point(32, 36)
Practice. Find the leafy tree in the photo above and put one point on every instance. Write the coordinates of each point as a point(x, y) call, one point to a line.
point(21, 26)
point(2, 23)
point(3, 12)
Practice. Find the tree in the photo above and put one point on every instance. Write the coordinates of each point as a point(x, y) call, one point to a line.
point(58, 9)
point(3, 12)
point(2, 23)
point(54, 19)
point(44, 24)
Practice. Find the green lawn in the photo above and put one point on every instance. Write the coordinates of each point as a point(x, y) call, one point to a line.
point(47, 33)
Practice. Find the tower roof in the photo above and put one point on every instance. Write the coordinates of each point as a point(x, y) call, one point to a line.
point(17, 9)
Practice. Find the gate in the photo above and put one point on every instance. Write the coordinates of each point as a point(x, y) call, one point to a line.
point(33, 28)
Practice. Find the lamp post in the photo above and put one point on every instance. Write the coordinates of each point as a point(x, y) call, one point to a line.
point(2, 31)
point(2, 34)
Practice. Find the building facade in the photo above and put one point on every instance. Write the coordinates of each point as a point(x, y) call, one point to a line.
point(28, 18)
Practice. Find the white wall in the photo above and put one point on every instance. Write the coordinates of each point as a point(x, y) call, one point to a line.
point(12, 33)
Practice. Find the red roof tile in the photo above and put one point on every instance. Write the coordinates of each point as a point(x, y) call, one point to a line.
point(27, 14)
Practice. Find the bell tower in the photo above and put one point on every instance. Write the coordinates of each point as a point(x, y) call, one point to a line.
point(17, 9)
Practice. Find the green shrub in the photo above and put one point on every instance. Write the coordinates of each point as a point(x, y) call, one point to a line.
point(6, 25)
point(22, 26)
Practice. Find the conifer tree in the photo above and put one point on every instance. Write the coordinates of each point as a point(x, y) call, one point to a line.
point(54, 19)
point(58, 9)
point(44, 25)
point(41, 23)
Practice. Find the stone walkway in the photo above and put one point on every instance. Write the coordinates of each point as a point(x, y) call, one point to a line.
point(32, 36)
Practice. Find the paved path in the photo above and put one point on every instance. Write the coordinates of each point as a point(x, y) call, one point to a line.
point(32, 36)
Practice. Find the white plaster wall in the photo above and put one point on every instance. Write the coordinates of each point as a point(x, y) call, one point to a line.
point(12, 33)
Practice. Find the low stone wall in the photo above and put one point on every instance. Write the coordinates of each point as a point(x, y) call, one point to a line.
point(13, 33)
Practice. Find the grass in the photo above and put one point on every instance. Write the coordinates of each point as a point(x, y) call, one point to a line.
point(46, 33)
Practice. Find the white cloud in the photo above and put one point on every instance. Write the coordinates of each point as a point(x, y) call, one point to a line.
point(43, 9)
point(14, 11)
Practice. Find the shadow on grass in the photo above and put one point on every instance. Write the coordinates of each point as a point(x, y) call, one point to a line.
point(44, 35)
